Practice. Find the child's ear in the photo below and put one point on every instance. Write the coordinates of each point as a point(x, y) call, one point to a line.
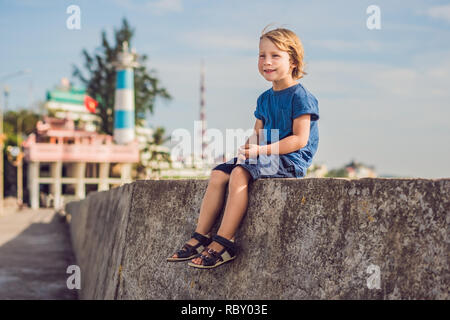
point(293, 64)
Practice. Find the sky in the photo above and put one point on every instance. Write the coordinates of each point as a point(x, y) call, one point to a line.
point(383, 93)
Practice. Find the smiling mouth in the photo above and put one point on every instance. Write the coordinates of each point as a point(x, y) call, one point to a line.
point(269, 71)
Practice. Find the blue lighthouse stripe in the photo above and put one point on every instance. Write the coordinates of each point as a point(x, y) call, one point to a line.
point(125, 79)
point(124, 119)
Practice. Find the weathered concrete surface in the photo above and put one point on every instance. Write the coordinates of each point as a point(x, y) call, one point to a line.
point(98, 226)
point(35, 252)
point(300, 239)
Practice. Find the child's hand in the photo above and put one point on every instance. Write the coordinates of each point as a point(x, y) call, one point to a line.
point(240, 158)
point(249, 150)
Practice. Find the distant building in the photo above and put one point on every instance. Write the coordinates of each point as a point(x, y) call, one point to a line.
point(358, 170)
point(60, 155)
point(67, 102)
point(317, 171)
point(67, 157)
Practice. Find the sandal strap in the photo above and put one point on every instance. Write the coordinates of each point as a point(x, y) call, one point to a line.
point(212, 259)
point(201, 238)
point(229, 245)
point(214, 254)
point(187, 248)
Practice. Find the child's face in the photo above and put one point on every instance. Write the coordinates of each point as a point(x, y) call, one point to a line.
point(274, 64)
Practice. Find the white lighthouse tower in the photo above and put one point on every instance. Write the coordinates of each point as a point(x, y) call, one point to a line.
point(124, 96)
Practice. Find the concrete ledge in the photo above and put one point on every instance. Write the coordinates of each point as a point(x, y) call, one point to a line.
point(98, 226)
point(300, 239)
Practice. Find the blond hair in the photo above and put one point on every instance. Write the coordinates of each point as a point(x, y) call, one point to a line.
point(286, 40)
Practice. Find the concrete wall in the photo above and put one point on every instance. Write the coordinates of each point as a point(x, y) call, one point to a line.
point(300, 239)
point(98, 226)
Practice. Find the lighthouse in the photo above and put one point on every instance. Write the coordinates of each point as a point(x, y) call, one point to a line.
point(124, 96)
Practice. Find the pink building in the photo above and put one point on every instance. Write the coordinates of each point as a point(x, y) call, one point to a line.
point(75, 158)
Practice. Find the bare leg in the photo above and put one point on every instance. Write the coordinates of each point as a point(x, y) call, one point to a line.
point(235, 208)
point(212, 203)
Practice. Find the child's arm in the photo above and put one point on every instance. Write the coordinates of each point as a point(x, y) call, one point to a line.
point(256, 130)
point(251, 140)
point(294, 142)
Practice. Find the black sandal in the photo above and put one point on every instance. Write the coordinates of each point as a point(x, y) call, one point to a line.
point(228, 253)
point(190, 252)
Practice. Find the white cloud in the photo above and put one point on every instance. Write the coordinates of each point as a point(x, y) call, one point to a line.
point(28, 3)
point(439, 12)
point(340, 78)
point(425, 80)
point(344, 46)
point(420, 82)
point(222, 75)
point(156, 7)
point(209, 39)
point(384, 115)
point(162, 6)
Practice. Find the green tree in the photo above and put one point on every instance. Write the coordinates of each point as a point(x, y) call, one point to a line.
point(17, 125)
point(22, 122)
point(337, 173)
point(100, 79)
point(157, 154)
point(158, 140)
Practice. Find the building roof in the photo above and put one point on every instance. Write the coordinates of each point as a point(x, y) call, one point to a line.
point(72, 95)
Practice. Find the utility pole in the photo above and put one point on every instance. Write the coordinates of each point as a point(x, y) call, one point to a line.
point(3, 137)
point(19, 163)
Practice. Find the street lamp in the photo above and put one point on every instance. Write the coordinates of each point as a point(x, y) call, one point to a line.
point(2, 136)
point(14, 74)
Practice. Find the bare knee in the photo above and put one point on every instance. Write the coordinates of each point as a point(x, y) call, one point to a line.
point(218, 177)
point(239, 175)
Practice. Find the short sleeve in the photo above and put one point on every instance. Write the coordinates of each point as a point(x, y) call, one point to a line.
point(305, 103)
point(257, 112)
